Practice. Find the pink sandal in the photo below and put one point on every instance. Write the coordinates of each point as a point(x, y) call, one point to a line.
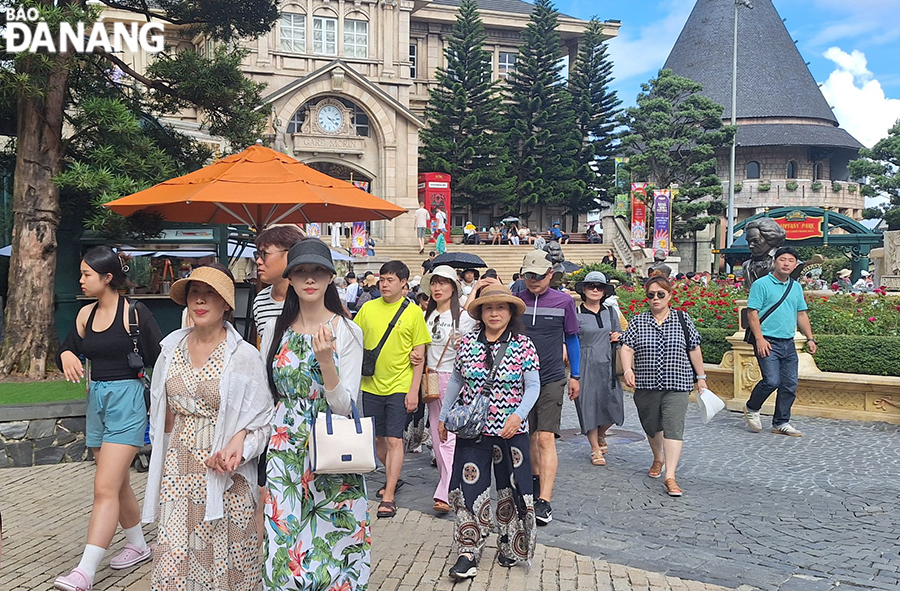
point(130, 556)
point(77, 580)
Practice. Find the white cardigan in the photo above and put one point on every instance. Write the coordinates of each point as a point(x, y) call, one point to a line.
point(246, 403)
point(349, 347)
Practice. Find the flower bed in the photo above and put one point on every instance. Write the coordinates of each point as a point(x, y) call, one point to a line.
point(855, 333)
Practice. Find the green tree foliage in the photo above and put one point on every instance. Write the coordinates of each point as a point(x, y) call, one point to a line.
point(462, 137)
point(48, 92)
point(596, 110)
point(544, 141)
point(880, 165)
point(672, 138)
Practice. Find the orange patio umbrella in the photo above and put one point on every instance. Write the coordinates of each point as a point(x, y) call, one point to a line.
point(258, 187)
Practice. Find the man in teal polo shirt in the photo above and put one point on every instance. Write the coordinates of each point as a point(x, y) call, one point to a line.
point(775, 350)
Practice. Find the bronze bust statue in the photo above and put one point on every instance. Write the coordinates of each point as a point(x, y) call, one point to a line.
point(764, 236)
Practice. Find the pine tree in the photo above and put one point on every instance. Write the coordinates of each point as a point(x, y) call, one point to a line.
point(462, 137)
point(543, 138)
point(673, 134)
point(596, 109)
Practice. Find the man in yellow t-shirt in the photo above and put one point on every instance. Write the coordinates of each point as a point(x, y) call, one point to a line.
point(393, 391)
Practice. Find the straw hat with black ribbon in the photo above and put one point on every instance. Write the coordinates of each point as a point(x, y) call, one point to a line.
point(212, 277)
point(496, 294)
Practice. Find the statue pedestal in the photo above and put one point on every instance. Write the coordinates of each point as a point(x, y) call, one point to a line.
point(746, 371)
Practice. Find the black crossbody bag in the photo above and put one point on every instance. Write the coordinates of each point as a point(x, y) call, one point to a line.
point(370, 356)
point(748, 332)
point(135, 359)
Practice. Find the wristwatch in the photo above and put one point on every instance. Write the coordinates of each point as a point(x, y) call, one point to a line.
point(810, 340)
point(575, 377)
point(701, 377)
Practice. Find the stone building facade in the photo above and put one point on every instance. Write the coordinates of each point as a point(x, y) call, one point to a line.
point(347, 83)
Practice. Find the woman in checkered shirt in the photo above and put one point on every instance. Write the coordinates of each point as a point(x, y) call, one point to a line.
point(661, 356)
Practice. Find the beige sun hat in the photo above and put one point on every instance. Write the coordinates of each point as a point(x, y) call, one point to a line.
point(212, 277)
point(445, 271)
point(845, 273)
point(496, 293)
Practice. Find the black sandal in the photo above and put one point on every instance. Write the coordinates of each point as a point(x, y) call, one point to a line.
point(386, 509)
point(400, 484)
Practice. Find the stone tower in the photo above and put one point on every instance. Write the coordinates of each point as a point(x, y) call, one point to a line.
point(788, 137)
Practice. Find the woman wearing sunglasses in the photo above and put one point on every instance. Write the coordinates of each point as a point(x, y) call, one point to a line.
point(447, 322)
point(599, 404)
point(661, 354)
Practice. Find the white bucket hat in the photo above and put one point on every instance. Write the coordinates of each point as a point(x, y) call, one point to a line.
point(445, 271)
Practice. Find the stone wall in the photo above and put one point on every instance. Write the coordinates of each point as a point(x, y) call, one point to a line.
point(36, 434)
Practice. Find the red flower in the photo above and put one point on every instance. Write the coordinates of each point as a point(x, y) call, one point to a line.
point(730, 326)
point(282, 357)
point(699, 320)
point(345, 586)
point(871, 319)
point(280, 437)
point(295, 560)
point(361, 534)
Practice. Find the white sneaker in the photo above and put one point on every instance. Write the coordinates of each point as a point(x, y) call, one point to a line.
point(787, 429)
point(752, 419)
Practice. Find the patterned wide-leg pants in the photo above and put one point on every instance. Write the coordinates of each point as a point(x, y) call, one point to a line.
point(470, 495)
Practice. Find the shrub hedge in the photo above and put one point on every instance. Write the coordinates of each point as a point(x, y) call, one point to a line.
point(873, 355)
point(713, 343)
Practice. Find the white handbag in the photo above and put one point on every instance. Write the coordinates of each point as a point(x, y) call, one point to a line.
point(342, 446)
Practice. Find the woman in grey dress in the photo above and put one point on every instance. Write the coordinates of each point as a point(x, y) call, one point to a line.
point(599, 404)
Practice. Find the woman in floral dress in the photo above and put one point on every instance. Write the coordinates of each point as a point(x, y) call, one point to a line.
point(210, 413)
point(317, 525)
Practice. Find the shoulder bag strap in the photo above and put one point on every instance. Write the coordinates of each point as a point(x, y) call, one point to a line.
point(501, 352)
point(784, 296)
point(390, 327)
point(683, 322)
point(134, 329)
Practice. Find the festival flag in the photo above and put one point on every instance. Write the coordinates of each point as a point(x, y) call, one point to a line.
point(638, 215)
point(662, 221)
point(623, 205)
point(358, 239)
point(314, 230)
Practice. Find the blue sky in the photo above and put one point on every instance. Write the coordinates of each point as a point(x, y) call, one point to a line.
point(852, 47)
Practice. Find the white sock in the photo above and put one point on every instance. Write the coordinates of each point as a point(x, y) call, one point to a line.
point(90, 560)
point(135, 537)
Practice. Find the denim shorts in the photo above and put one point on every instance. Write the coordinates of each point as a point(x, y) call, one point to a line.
point(116, 413)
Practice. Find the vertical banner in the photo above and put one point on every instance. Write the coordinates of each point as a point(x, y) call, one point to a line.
point(620, 184)
point(314, 230)
point(662, 204)
point(638, 215)
point(358, 239)
point(622, 206)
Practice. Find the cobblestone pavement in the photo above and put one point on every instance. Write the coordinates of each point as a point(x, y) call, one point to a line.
point(46, 511)
point(812, 513)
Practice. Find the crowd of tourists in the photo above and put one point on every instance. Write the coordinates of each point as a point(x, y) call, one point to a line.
point(478, 367)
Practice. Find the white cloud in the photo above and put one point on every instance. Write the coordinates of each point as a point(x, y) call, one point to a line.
point(858, 98)
point(642, 51)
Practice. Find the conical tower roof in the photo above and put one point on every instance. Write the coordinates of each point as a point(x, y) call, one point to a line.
point(773, 79)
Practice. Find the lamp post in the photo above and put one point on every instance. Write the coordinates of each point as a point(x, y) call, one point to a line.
point(729, 236)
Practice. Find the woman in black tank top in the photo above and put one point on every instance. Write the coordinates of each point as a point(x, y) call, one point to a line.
point(116, 418)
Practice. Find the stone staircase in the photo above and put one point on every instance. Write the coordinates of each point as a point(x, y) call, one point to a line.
point(505, 259)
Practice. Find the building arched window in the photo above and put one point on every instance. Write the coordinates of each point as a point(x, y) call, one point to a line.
point(818, 171)
point(292, 32)
point(297, 120)
point(792, 170)
point(356, 36)
point(753, 170)
point(325, 33)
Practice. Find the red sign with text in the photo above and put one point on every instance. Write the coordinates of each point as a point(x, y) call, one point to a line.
point(800, 227)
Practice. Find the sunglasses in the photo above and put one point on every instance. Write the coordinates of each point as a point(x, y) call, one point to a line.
point(657, 295)
point(262, 254)
point(535, 276)
point(599, 286)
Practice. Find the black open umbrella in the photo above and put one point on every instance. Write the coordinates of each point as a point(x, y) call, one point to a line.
point(570, 267)
point(459, 260)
